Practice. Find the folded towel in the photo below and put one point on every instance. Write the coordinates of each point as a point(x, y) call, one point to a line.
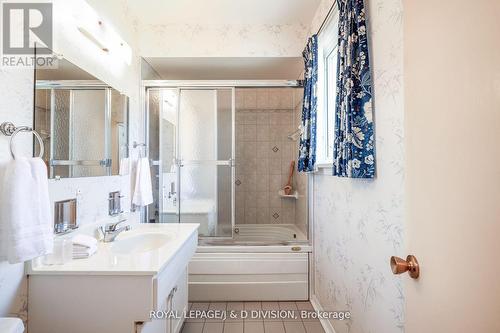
point(143, 190)
point(25, 214)
point(84, 241)
point(84, 252)
point(83, 246)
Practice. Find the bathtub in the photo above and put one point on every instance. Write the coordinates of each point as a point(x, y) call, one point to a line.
point(260, 234)
point(260, 263)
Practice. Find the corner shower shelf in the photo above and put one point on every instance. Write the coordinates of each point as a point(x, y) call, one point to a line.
point(294, 195)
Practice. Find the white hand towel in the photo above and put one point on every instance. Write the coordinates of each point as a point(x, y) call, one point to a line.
point(26, 223)
point(143, 190)
point(124, 166)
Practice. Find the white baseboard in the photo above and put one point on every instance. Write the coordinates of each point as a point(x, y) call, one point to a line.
point(327, 326)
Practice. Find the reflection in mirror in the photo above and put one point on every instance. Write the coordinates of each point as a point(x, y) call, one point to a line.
point(83, 122)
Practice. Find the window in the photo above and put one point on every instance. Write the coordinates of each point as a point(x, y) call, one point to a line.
point(327, 89)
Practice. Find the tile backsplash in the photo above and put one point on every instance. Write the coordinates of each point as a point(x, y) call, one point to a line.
point(92, 195)
point(264, 119)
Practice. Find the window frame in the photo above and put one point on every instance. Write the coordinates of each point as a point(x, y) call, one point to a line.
point(327, 48)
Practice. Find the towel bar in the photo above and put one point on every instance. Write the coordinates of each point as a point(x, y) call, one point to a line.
point(8, 129)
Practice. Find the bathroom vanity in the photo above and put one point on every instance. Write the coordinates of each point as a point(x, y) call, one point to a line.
point(115, 290)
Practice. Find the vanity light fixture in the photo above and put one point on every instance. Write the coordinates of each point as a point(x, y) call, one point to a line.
point(93, 39)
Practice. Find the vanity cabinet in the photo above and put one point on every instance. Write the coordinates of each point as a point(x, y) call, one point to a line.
point(174, 303)
point(119, 299)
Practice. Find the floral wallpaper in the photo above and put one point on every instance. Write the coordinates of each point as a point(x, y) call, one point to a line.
point(192, 39)
point(358, 224)
point(227, 40)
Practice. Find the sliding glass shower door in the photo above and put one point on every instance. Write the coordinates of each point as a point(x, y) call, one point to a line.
point(196, 153)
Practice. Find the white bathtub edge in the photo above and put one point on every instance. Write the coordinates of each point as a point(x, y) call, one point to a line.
point(253, 248)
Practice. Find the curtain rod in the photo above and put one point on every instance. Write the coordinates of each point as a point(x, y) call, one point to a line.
point(327, 16)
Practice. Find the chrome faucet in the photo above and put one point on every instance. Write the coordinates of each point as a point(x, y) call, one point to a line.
point(111, 230)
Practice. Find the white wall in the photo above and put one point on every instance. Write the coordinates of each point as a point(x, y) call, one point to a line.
point(358, 224)
point(16, 105)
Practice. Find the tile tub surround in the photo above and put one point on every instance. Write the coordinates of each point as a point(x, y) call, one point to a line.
point(264, 119)
point(239, 325)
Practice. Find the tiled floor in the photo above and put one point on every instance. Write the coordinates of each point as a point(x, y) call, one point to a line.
point(256, 325)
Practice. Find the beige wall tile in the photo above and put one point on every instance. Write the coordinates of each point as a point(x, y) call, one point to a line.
point(274, 99)
point(264, 121)
point(262, 133)
point(250, 98)
point(262, 98)
point(250, 215)
point(249, 132)
point(275, 215)
point(239, 99)
point(263, 149)
point(251, 182)
point(263, 215)
point(250, 199)
point(263, 118)
point(263, 183)
point(275, 184)
point(275, 166)
point(274, 117)
point(286, 98)
point(262, 199)
point(263, 166)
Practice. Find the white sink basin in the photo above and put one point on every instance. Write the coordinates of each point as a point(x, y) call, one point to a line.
point(139, 243)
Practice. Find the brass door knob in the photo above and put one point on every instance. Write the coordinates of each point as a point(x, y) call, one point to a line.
point(409, 265)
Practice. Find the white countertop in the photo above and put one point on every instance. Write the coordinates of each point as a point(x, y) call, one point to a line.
point(107, 262)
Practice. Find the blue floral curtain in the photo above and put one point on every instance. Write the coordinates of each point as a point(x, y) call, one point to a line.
point(307, 149)
point(354, 147)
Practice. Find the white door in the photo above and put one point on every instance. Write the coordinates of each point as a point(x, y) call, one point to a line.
point(452, 130)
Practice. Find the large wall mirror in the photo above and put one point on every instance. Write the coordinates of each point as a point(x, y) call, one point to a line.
point(82, 120)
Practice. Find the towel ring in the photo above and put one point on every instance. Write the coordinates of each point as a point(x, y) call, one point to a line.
point(10, 130)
